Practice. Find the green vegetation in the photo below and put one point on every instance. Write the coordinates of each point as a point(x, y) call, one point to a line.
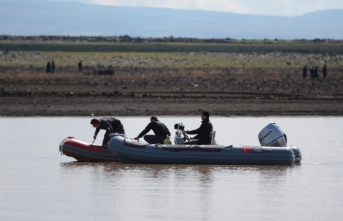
point(248, 46)
point(100, 53)
point(104, 60)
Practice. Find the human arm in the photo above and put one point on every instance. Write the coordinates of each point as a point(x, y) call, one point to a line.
point(196, 131)
point(105, 126)
point(96, 132)
point(108, 127)
point(145, 131)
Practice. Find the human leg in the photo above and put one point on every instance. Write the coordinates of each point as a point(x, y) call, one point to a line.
point(153, 139)
point(105, 140)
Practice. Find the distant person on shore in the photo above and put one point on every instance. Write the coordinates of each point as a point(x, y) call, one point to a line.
point(79, 65)
point(48, 67)
point(110, 124)
point(52, 66)
point(324, 72)
point(203, 132)
point(312, 72)
point(160, 129)
point(304, 72)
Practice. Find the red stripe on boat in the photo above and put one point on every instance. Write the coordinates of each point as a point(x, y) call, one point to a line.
point(84, 146)
point(82, 158)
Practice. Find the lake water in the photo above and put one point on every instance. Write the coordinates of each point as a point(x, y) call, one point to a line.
point(37, 183)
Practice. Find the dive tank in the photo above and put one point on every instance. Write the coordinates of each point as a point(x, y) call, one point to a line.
point(272, 136)
point(167, 140)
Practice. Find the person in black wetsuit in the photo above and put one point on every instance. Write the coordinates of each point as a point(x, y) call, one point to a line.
point(203, 132)
point(110, 124)
point(160, 129)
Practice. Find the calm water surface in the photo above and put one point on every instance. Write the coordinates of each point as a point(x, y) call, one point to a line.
point(37, 183)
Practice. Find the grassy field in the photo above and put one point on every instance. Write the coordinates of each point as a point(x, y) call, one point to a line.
point(29, 56)
point(105, 60)
point(246, 46)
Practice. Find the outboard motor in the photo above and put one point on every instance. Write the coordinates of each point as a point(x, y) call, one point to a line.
point(272, 136)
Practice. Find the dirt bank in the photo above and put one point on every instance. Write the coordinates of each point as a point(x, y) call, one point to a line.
point(243, 105)
point(224, 92)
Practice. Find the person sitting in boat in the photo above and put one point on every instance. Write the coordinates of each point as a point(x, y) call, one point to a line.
point(110, 124)
point(203, 132)
point(160, 129)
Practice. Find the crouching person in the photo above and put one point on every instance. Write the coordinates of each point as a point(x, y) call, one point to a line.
point(160, 129)
point(110, 124)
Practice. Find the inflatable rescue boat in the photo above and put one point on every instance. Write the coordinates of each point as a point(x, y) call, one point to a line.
point(85, 152)
point(273, 150)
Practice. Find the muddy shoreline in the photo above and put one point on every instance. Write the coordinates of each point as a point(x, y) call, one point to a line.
point(168, 104)
point(170, 96)
point(139, 84)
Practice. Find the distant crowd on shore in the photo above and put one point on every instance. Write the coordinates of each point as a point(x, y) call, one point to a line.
point(314, 72)
point(50, 67)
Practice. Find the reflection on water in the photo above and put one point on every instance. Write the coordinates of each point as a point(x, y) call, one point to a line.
point(159, 171)
point(202, 188)
point(37, 183)
point(202, 174)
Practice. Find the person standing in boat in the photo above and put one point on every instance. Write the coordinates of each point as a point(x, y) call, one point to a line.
point(110, 124)
point(160, 129)
point(203, 132)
